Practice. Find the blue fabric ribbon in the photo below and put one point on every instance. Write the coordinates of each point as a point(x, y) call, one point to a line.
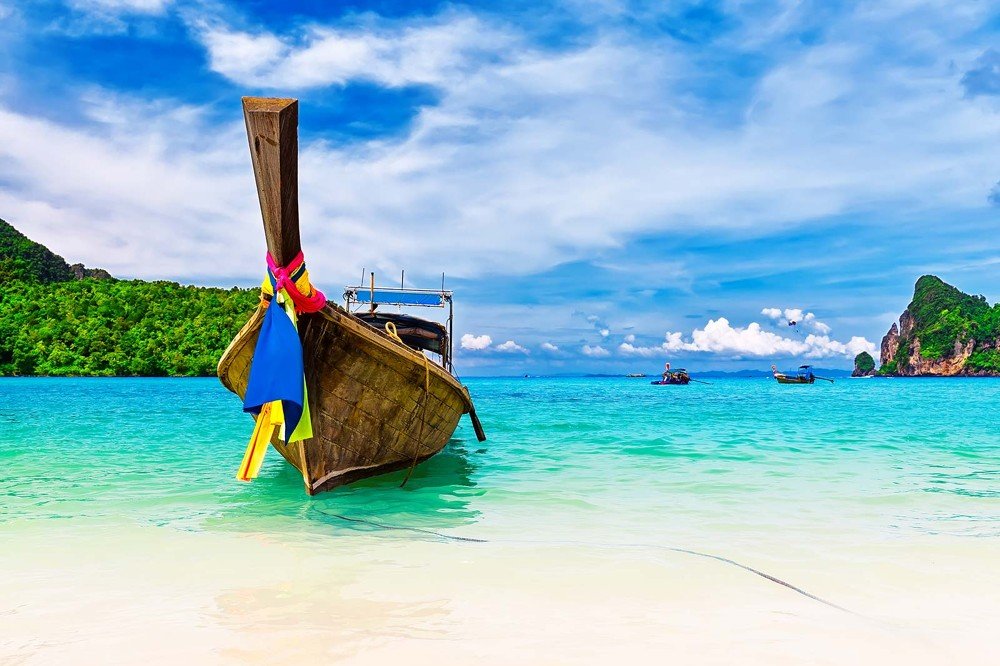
point(276, 369)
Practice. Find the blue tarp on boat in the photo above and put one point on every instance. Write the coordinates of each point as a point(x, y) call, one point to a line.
point(399, 297)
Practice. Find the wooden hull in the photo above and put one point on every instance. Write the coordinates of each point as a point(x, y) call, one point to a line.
point(682, 381)
point(784, 379)
point(370, 411)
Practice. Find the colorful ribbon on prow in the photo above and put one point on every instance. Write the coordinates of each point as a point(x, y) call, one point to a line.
point(276, 389)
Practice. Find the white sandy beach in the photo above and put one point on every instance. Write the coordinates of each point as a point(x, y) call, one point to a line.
point(164, 596)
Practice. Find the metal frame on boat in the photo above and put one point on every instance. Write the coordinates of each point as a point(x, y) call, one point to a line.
point(373, 297)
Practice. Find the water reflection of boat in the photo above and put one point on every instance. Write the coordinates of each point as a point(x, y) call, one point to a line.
point(444, 493)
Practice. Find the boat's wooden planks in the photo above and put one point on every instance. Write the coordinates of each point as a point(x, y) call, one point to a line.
point(367, 402)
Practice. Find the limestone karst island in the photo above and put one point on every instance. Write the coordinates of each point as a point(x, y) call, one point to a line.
point(943, 332)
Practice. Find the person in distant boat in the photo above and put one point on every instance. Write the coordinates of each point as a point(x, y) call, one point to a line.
point(774, 370)
point(666, 371)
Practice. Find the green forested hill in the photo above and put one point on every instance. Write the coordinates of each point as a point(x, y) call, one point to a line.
point(54, 324)
point(24, 259)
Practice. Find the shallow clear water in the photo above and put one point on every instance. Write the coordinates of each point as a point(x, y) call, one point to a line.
point(738, 464)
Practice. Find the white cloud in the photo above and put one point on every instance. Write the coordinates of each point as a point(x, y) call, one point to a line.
point(121, 6)
point(145, 189)
point(596, 351)
point(605, 332)
point(476, 342)
point(511, 347)
point(798, 316)
point(721, 338)
point(793, 314)
point(630, 338)
point(629, 349)
point(240, 53)
point(549, 347)
point(821, 327)
point(435, 51)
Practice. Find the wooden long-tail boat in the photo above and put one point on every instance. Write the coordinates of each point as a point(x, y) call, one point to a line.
point(377, 404)
point(679, 376)
point(804, 375)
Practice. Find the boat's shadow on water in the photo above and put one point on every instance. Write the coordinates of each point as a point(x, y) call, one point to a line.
point(439, 493)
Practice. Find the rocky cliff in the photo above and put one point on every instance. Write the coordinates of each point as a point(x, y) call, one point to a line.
point(943, 332)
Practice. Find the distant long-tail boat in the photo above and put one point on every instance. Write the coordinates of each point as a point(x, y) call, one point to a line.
point(804, 375)
point(678, 376)
point(341, 397)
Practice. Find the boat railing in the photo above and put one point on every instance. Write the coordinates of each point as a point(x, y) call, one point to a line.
point(372, 296)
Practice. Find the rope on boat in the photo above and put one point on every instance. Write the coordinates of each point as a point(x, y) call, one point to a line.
point(650, 546)
point(390, 329)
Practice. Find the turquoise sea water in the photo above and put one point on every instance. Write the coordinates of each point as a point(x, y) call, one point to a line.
point(734, 465)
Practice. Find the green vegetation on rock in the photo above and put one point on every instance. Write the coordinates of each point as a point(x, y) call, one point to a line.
point(54, 324)
point(864, 363)
point(956, 333)
point(24, 259)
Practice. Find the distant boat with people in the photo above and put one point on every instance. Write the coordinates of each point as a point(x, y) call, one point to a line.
point(804, 375)
point(634, 375)
point(679, 376)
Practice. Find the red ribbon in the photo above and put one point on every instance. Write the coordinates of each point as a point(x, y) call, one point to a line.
point(282, 280)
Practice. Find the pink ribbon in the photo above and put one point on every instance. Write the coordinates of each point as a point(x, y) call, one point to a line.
point(282, 280)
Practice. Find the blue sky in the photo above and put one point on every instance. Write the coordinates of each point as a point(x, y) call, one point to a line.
point(608, 185)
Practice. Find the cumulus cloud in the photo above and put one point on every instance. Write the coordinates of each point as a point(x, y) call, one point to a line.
point(511, 347)
point(595, 351)
point(549, 347)
point(476, 342)
point(794, 314)
point(797, 315)
point(721, 338)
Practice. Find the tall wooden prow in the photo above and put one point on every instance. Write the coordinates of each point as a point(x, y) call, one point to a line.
point(273, 132)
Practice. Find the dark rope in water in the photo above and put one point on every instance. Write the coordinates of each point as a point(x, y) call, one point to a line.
point(651, 546)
